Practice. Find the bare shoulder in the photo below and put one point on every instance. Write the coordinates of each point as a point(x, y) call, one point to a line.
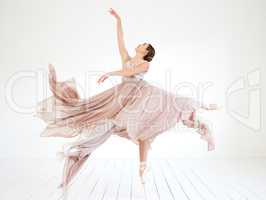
point(144, 65)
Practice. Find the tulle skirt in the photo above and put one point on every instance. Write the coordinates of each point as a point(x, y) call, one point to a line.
point(133, 109)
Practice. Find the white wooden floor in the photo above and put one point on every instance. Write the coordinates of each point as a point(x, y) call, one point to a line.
point(106, 179)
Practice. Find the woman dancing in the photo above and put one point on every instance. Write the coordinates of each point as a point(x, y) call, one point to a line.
point(133, 109)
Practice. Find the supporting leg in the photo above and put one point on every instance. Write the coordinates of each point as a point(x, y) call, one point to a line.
point(143, 150)
point(144, 147)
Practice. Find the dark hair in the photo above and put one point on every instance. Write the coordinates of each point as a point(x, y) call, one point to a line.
point(151, 52)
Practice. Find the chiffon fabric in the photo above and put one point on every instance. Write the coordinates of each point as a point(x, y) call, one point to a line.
point(133, 109)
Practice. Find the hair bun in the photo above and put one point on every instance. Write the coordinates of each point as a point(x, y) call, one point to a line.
point(151, 52)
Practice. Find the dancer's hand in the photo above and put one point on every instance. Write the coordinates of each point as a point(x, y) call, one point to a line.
point(102, 78)
point(51, 68)
point(114, 13)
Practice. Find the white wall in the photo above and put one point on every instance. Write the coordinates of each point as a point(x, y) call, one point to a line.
point(217, 43)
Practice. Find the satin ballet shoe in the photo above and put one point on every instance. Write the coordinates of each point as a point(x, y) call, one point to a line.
point(143, 170)
point(213, 107)
point(60, 186)
point(64, 191)
point(210, 107)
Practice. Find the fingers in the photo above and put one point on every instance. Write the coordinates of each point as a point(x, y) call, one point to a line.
point(111, 11)
point(114, 13)
point(101, 79)
point(51, 69)
point(50, 66)
point(104, 78)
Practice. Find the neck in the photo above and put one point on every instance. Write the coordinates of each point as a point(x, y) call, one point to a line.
point(138, 56)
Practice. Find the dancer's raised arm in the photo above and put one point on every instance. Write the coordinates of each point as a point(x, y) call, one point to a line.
point(120, 38)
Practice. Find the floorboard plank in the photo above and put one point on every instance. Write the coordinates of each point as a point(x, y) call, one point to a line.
point(189, 188)
point(137, 189)
point(177, 187)
point(163, 187)
point(125, 182)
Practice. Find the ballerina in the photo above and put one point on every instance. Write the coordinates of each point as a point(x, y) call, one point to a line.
point(130, 109)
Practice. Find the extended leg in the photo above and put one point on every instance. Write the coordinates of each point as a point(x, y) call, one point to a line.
point(202, 128)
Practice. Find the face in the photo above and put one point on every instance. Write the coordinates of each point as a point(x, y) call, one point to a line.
point(142, 48)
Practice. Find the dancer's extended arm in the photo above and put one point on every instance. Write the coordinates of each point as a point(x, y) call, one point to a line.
point(130, 71)
point(144, 67)
point(120, 38)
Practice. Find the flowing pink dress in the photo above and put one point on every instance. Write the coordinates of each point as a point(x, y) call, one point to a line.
point(133, 109)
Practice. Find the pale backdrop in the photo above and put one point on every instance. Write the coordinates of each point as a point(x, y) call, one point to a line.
point(218, 45)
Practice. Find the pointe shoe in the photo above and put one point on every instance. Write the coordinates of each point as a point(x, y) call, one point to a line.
point(143, 169)
point(63, 186)
point(60, 186)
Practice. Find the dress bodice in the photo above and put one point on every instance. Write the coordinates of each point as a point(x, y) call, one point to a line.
point(136, 76)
